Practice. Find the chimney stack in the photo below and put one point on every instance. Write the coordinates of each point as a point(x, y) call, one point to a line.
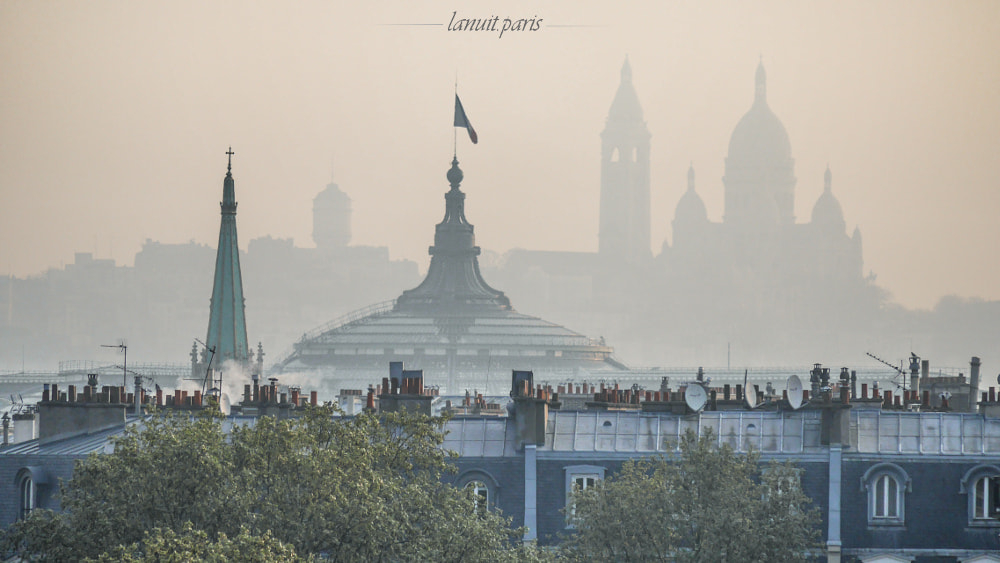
point(914, 372)
point(973, 380)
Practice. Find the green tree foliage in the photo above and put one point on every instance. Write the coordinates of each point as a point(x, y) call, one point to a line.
point(709, 505)
point(167, 546)
point(355, 489)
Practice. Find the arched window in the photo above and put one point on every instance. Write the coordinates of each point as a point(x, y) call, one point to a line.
point(982, 485)
point(30, 483)
point(26, 496)
point(483, 486)
point(614, 155)
point(480, 494)
point(887, 485)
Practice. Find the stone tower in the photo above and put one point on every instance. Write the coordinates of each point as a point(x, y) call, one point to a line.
point(331, 218)
point(624, 224)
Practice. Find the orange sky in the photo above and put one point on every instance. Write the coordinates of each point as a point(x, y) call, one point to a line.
point(115, 117)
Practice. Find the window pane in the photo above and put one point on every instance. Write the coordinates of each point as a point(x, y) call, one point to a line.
point(892, 498)
point(981, 498)
point(880, 497)
point(992, 487)
point(27, 496)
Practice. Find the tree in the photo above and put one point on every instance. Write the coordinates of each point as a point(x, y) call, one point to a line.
point(366, 488)
point(709, 505)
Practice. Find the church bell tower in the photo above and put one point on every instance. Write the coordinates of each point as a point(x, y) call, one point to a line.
point(624, 225)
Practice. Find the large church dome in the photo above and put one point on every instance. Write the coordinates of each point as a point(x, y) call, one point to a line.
point(760, 135)
point(760, 176)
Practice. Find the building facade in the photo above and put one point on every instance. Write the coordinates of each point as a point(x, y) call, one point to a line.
point(894, 477)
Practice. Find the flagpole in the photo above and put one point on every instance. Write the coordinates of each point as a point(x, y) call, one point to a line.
point(453, 129)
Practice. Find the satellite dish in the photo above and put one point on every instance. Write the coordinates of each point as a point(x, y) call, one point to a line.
point(750, 396)
point(224, 405)
point(794, 387)
point(695, 397)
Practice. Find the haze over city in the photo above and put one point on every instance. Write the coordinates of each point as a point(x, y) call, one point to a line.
point(116, 117)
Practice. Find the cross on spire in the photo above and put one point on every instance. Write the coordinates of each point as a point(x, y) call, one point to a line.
point(230, 152)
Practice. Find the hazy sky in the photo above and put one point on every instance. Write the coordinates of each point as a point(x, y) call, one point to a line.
point(115, 117)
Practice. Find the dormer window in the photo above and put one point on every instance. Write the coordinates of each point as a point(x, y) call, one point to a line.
point(887, 485)
point(982, 486)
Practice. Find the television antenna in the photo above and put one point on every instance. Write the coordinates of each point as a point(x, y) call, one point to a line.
point(208, 369)
point(16, 405)
point(122, 347)
point(900, 372)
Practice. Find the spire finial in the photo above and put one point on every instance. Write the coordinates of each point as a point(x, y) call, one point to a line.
point(454, 174)
point(626, 71)
point(827, 179)
point(760, 87)
point(229, 167)
point(691, 177)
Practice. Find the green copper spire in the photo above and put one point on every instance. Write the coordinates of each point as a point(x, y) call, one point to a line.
point(227, 326)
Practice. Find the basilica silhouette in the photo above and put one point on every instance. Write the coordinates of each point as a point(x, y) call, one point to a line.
point(758, 278)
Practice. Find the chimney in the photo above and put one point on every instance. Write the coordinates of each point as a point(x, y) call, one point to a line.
point(405, 391)
point(137, 396)
point(914, 372)
point(60, 418)
point(973, 381)
point(530, 412)
point(395, 376)
point(25, 426)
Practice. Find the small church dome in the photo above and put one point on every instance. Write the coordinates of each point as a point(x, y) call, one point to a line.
point(827, 210)
point(690, 208)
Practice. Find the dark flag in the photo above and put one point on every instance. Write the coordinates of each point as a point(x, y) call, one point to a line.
point(462, 121)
